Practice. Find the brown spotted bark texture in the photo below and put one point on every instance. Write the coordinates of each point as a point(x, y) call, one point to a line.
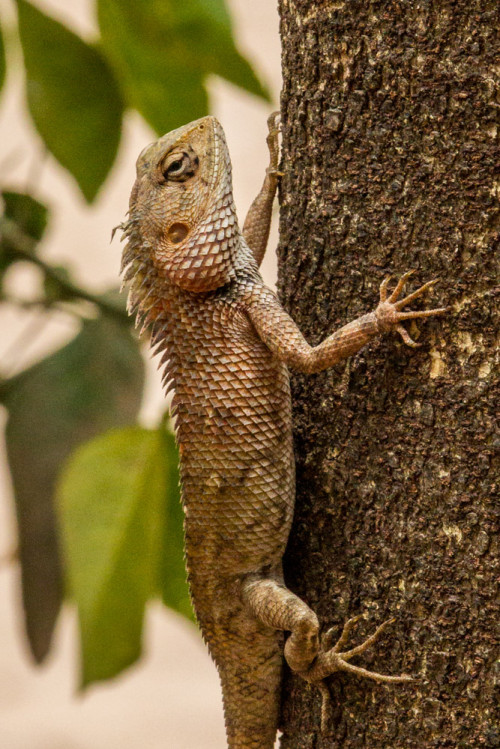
point(389, 152)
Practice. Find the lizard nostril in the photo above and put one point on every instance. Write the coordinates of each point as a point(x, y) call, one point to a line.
point(177, 233)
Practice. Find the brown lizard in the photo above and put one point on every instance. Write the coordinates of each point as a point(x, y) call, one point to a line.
point(227, 344)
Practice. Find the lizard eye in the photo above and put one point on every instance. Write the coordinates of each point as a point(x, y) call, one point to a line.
point(179, 167)
point(175, 167)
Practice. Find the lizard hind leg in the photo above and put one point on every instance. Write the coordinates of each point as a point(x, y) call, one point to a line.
point(273, 604)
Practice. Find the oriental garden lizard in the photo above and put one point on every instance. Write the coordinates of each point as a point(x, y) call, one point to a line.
point(226, 345)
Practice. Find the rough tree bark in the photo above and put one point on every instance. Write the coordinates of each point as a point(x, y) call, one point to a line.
point(389, 126)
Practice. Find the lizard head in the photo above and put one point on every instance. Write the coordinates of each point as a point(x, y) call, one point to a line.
point(182, 228)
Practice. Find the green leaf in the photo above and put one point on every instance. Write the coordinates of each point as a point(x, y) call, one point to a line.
point(2, 61)
point(112, 505)
point(163, 50)
point(30, 216)
point(121, 519)
point(73, 98)
point(85, 388)
point(173, 584)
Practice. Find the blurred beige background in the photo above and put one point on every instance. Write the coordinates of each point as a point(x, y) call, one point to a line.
point(171, 699)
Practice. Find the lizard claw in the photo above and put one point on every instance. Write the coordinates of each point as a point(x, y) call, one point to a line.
point(274, 122)
point(407, 337)
point(399, 286)
point(383, 288)
point(274, 172)
point(403, 302)
point(328, 639)
point(332, 660)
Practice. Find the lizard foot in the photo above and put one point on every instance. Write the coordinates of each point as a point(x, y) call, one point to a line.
point(274, 128)
point(388, 311)
point(274, 124)
point(331, 658)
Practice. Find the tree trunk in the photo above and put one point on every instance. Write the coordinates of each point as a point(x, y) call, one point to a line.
point(388, 153)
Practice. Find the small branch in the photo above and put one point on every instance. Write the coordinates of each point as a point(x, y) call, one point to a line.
point(43, 305)
point(24, 248)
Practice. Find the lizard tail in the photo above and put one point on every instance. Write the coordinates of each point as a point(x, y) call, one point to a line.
point(251, 689)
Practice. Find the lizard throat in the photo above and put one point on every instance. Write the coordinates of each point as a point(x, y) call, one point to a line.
point(205, 259)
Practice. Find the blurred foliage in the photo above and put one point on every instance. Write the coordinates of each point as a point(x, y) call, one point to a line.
point(114, 537)
point(154, 57)
point(2, 60)
point(90, 385)
point(73, 98)
point(162, 52)
point(114, 502)
point(29, 215)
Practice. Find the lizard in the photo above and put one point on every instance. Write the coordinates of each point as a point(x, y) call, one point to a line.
point(226, 346)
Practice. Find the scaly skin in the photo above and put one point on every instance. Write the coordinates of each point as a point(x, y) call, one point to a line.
point(227, 347)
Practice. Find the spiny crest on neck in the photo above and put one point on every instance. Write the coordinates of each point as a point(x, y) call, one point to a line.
point(146, 287)
point(146, 291)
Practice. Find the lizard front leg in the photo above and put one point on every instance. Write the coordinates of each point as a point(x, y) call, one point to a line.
point(282, 336)
point(258, 220)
